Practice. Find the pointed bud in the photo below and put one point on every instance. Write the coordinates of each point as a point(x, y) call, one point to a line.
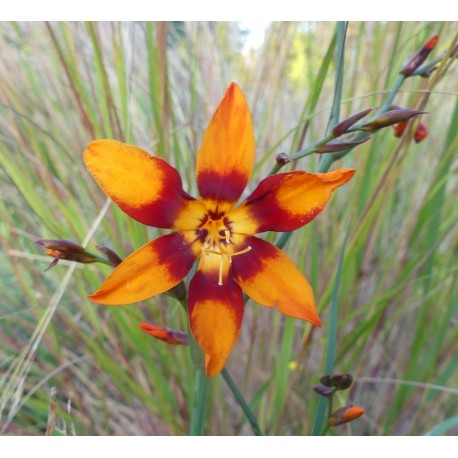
point(344, 415)
point(66, 249)
point(421, 133)
point(389, 118)
point(283, 159)
point(323, 391)
point(171, 336)
point(335, 147)
point(337, 381)
point(344, 125)
point(410, 66)
point(114, 259)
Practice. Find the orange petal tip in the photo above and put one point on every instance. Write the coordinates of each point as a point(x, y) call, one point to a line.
point(431, 43)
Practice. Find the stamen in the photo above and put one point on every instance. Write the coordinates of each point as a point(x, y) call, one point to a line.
point(213, 245)
point(220, 277)
point(246, 250)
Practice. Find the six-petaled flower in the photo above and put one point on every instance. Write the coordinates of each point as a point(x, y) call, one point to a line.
point(212, 230)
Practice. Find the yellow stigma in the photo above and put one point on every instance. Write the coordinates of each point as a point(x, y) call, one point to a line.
point(213, 245)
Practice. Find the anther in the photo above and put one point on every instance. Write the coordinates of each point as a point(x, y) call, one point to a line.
point(223, 253)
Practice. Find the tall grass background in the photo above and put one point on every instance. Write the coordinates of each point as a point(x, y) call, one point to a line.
point(69, 366)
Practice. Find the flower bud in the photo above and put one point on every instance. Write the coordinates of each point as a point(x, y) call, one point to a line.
point(283, 159)
point(66, 249)
point(399, 128)
point(411, 65)
point(344, 415)
point(171, 336)
point(114, 259)
point(389, 118)
point(337, 381)
point(335, 147)
point(323, 391)
point(344, 125)
point(421, 133)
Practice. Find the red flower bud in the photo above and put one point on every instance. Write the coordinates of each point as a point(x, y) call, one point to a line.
point(344, 415)
point(399, 128)
point(421, 133)
point(171, 336)
point(411, 65)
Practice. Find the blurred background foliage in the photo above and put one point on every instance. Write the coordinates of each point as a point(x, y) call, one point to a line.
point(69, 366)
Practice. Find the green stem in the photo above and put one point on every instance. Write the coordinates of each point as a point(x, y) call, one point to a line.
point(303, 152)
point(340, 52)
point(394, 90)
point(326, 425)
point(320, 423)
point(201, 386)
point(101, 260)
point(243, 404)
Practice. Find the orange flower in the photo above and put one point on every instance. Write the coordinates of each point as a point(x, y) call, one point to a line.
point(212, 230)
point(170, 336)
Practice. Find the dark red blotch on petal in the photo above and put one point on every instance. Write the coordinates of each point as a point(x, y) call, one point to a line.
point(225, 187)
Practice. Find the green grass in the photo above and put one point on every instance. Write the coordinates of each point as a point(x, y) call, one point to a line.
point(395, 296)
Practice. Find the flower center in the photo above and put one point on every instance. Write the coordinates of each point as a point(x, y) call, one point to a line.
point(216, 242)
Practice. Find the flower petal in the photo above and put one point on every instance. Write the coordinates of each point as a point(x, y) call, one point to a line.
point(152, 269)
point(269, 277)
point(215, 311)
point(226, 157)
point(286, 201)
point(144, 186)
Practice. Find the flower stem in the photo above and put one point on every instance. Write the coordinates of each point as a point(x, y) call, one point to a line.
point(243, 404)
point(201, 386)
